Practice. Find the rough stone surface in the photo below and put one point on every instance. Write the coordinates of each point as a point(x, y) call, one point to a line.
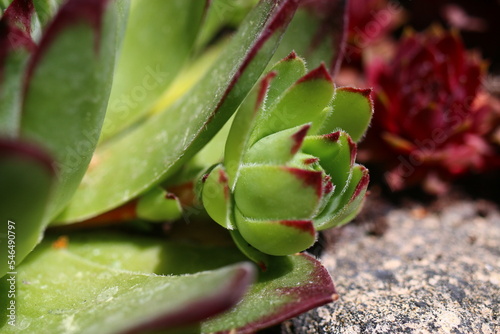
point(430, 272)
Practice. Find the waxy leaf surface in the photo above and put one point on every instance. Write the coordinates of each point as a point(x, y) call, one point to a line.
point(153, 151)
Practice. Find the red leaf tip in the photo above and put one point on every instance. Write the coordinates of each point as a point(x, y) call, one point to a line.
point(291, 56)
point(319, 73)
point(353, 149)
point(298, 138)
point(302, 225)
point(333, 137)
point(170, 196)
point(264, 87)
point(366, 92)
point(362, 184)
point(310, 178)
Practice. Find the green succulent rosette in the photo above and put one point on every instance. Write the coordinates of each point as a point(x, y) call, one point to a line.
point(289, 165)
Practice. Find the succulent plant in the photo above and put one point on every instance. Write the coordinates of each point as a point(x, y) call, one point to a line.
point(103, 104)
point(430, 125)
point(288, 167)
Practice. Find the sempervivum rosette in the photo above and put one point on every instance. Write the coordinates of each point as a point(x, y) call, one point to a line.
point(430, 125)
point(289, 167)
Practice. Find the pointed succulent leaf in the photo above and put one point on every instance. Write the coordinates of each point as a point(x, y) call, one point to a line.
point(26, 180)
point(349, 202)
point(291, 285)
point(68, 126)
point(352, 112)
point(16, 46)
point(278, 148)
point(261, 259)
point(278, 237)
point(181, 130)
point(154, 302)
point(288, 110)
point(277, 192)
point(336, 152)
point(288, 70)
point(243, 123)
point(152, 55)
point(158, 205)
point(216, 196)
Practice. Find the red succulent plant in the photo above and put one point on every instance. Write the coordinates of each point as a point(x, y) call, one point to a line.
point(431, 122)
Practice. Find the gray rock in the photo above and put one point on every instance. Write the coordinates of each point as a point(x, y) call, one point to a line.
point(428, 273)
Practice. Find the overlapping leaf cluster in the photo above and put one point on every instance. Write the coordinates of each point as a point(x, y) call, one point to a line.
point(101, 102)
point(289, 166)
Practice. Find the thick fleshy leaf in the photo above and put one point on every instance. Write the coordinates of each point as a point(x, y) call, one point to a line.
point(290, 286)
point(279, 237)
point(288, 70)
point(241, 127)
point(26, 178)
point(350, 201)
point(155, 150)
point(266, 192)
point(158, 205)
point(69, 126)
point(352, 112)
point(216, 197)
point(278, 148)
point(336, 152)
point(312, 92)
point(261, 259)
point(223, 14)
point(60, 291)
point(317, 33)
point(152, 55)
point(16, 46)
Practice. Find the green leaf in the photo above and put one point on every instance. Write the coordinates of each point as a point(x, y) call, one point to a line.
point(278, 148)
point(352, 112)
point(241, 128)
point(312, 92)
point(291, 285)
point(276, 237)
point(16, 46)
point(216, 197)
point(350, 201)
point(223, 14)
point(61, 291)
point(75, 59)
point(46, 10)
point(158, 40)
point(261, 259)
point(153, 151)
point(158, 205)
point(26, 180)
point(316, 34)
point(288, 70)
point(277, 192)
point(336, 152)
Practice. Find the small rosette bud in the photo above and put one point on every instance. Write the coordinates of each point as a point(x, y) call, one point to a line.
point(289, 167)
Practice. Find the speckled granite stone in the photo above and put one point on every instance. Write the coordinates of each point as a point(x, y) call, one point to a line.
point(428, 273)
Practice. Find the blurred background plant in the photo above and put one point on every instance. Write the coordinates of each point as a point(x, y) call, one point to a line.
point(434, 70)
